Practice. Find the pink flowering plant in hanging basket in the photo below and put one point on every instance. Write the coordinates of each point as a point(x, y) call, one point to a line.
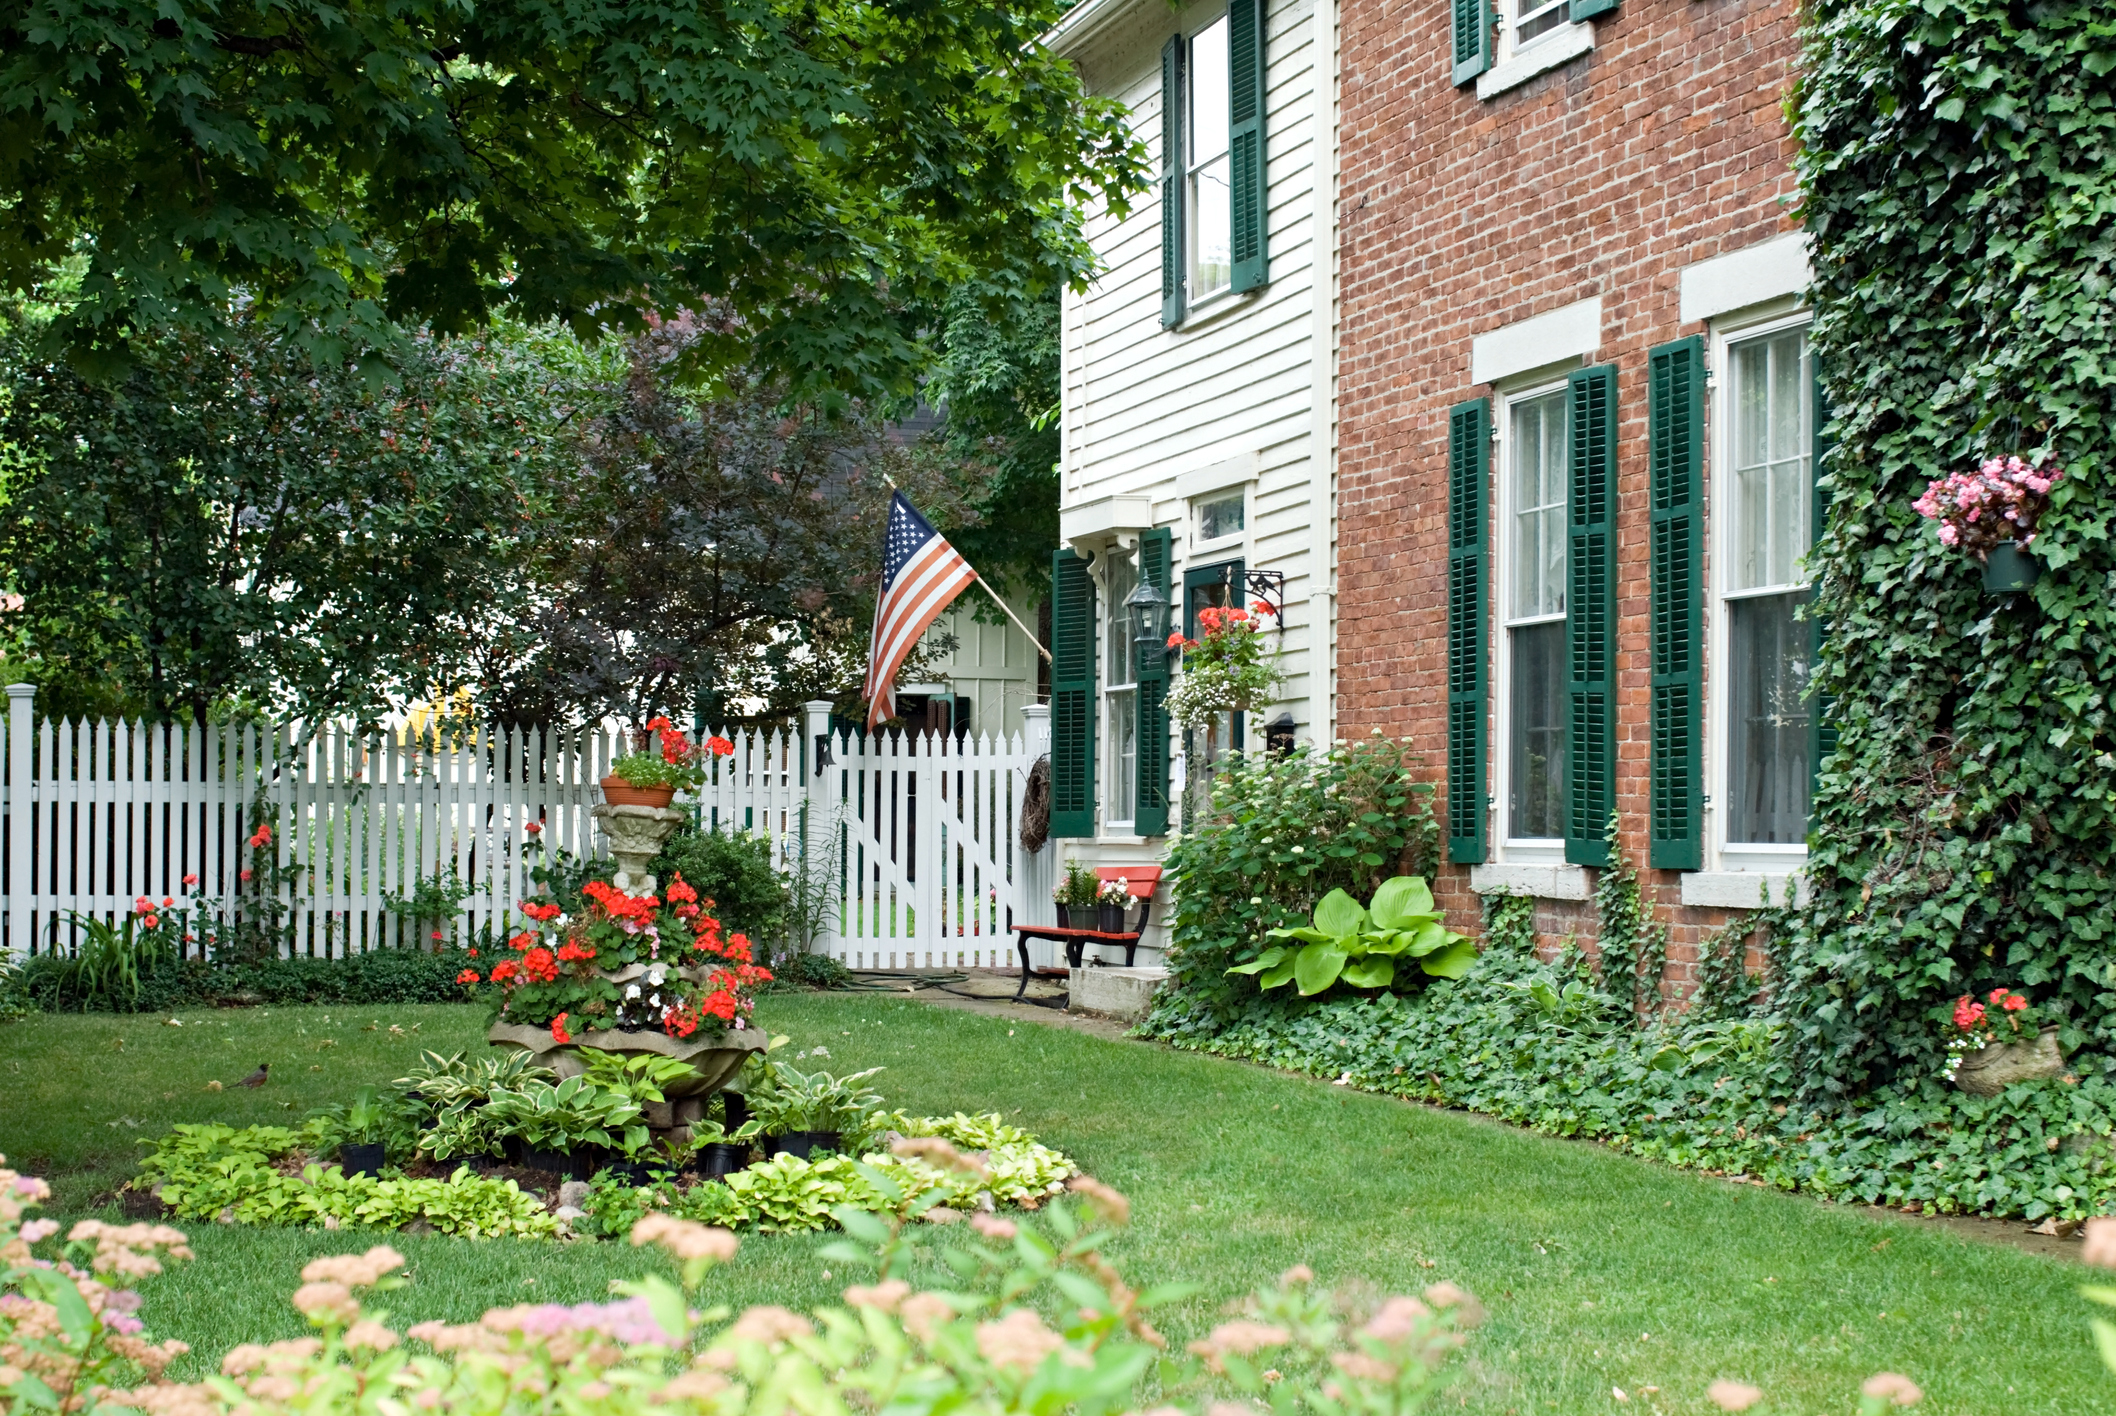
point(2001, 501)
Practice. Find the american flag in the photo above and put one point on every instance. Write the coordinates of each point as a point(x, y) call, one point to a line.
point(921, 576)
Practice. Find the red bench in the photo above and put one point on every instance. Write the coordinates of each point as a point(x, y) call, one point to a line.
point(1140, 879)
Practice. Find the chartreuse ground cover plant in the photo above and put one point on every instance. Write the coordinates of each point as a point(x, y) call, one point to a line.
point(1598, 1271)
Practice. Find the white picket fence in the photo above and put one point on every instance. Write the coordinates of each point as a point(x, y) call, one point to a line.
point(909, 847)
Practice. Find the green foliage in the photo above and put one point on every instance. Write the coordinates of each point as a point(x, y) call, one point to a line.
point(783, 1098)
point(357, 171)
point(1633, 947)
point(796, 968)
point(1958, 190)
point(434, 900)
point(638, 1076)
point(1081, 886)
point(734, 870)
point(574, 1112)
point(229, 524)
point(15, 1003)
point(105, 971)
point(1283, 832)
point(203, 1170)
point(1543, 1045)
point(369, 1119)
point(450, 1093)
point(1361, 946)
point(381, 976)
point(1232, 669)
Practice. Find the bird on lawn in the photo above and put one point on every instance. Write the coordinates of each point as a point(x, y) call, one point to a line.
point(257, 1078)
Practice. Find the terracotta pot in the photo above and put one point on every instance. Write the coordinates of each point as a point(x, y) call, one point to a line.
point(1990, 1070)
point(618, 792)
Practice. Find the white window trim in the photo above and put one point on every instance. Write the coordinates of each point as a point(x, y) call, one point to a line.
point(1191, 299)
point(1540, 55)
point(1742, 861)
point(1511, 850)
point(1105, 720)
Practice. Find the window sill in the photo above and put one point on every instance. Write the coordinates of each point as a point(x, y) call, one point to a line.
point(1560, 47)
point(1742, 889)
point(1211, 310)
point(1545, 882)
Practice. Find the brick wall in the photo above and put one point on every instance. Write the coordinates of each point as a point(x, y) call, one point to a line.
point(1664, 145)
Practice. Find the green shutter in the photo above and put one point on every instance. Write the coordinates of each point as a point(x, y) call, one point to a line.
point(1172, 155)
point(1590, 618)
point(1150, 815)
point(1072, 696)
point(1247, 158)
point(1675, 436)
point(1579, 10)
point(1468, 486)
point(1473, 38)
point(1821, 731)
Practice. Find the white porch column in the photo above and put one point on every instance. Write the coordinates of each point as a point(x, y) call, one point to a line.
point(21, 727)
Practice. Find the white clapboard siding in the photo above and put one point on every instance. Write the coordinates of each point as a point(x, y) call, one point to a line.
point(1238, 384)
point(909, 845)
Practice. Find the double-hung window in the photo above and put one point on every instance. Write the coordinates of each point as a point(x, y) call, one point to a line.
point(1763, 496)
point(1213, 174)
point(1533, 525)
point(1121, 694)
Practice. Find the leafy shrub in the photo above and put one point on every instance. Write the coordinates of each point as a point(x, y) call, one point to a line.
point(783, 1098)
point(1361, 945)
point(202, 1171)
point(572, 1113)
point(1281, 833)
point(1964, 828)
point(378, 977)
point(794, 967)
point(1544, 1045)
point(734, 870)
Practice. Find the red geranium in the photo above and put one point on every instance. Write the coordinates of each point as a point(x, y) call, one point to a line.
point(558, 1030)
point(719, 746)
point(573, 951)
point(540, 965)
point(469, 976)
point(524, 940)
point(543, 913)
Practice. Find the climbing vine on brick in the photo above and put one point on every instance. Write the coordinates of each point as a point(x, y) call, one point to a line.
point(1958, 171)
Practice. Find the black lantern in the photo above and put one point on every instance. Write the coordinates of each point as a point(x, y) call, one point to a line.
point(1147, 609)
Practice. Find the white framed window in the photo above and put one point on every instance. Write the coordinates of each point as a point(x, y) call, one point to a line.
point(1526, 21)
point(1528, 665)
point(1120, 693)
point(1221, 516)
point(1210, 206)
point(1758, 780)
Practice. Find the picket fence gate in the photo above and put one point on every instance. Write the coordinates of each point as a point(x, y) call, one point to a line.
point(904, 850)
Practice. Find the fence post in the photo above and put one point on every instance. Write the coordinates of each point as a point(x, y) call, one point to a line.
point(21, 810)
point(814, 806)
point(1032, 895)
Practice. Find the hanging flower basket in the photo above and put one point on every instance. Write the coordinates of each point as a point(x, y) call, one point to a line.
point(1227, 671)
point(1992, 513)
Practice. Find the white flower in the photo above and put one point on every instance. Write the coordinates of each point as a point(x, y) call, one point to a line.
point(632, 990)
point(655, 1000)
point(657, 976)
point(1300, 850)
point(820, 1052)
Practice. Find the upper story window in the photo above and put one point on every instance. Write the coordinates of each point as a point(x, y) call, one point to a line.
point(1529, 20)
point(1211, 236)
point(1214, 176)
point(1221, 516)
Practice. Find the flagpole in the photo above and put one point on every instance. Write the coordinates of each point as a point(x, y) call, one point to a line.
point(1009, 609)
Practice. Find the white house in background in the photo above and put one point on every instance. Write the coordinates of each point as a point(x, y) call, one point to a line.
point(981, 686)
point(1198, 397)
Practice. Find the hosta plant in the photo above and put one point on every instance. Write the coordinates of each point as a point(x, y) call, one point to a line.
point(1361, 945)
point(574, 1112)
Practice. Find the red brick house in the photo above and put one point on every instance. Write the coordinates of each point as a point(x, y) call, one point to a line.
point(1573, 373)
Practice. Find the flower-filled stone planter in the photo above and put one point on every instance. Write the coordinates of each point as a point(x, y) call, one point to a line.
point(1994, 1067)
point(713, 1060)
point(1997, 1041)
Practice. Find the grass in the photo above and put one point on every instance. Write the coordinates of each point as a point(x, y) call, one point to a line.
point(1600, 1271)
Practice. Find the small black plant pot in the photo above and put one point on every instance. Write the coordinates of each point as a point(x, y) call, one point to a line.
point(362, 1160)
point(805, 1143)
point(722, 1158)
point(1109, 918)
point(2009, 568)
point(638, 1173)
point(1065, 916)
point(566, 1163)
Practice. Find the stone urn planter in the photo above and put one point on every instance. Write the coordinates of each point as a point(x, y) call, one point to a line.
point(1991, 1069)
point(713, 1061)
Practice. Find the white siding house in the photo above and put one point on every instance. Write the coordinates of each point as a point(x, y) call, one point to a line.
point(1198, 398)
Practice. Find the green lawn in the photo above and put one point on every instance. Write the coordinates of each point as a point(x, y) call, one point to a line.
point(1600, 1271)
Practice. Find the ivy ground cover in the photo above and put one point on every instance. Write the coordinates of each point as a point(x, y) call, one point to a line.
point(1601, 1272)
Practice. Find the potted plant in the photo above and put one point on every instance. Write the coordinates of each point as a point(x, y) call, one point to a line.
point(360, 1132)
point(1992, 513)
point(657, 768)
point(1227, 671)
point(2000, 1040)
point(800, 1113)
point(1112, 899)
point(1076, 896)
point(720, 1151)
point(445, 1098)
point(630, 974)
point(557, 1125)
